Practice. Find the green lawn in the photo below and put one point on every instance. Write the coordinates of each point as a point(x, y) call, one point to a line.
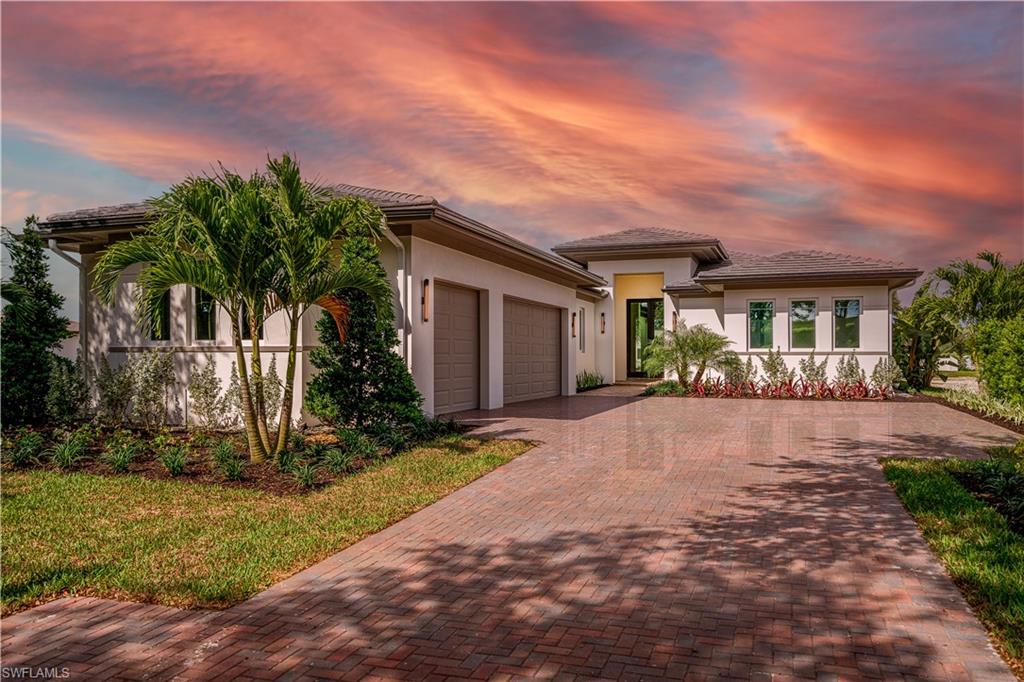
point(133, 538)
point(983, 556)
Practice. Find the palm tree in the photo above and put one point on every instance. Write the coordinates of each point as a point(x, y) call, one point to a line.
point(306, 223)
point(978, 293)
point(698, 345)
point(209, 233)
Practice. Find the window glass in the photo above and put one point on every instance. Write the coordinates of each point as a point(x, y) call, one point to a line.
point(581, 331)
point(801, 324)
point(761, 314)
point(160, 327)
point(847, 323)
point(206, 316)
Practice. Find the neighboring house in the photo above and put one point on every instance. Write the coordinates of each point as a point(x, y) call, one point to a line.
point(69, 346)
point(485, 320)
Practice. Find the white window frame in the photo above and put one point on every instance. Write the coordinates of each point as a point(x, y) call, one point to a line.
point(775, 312)
point(860, 315)
point(789, 320)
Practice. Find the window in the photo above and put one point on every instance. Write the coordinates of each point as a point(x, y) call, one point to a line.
point(206, 316)
point(760, 317)
point(246, 332)
point(846, 323)
point(582, 331)
point(801, 323)
point(160, 327)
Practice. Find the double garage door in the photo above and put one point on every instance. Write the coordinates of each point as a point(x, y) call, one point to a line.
point(532, 343)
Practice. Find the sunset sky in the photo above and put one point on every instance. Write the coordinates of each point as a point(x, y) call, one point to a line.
point(887, 130)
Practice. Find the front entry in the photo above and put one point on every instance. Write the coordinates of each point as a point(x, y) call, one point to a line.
point(645, 319)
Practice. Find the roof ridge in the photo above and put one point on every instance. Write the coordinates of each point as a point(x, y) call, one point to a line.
point(821, 252)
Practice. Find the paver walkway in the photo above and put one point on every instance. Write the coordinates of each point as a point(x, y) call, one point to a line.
point(642, 539)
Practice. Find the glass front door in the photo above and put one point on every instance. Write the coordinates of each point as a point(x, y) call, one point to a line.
point(645, 319)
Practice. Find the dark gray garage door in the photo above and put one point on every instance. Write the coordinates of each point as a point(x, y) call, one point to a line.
point(456, 349)
point(533, 351)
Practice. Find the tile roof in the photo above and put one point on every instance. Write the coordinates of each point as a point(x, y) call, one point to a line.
point(637, 237)
point(380, 197)
point(800, 264)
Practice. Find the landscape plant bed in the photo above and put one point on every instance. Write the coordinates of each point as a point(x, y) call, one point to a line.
point(142, 539)
point(982, 553)
point(991, 418)
point(788, 390)
point(269, 476)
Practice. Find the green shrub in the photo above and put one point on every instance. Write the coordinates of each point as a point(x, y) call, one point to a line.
point(121, 450)
point(25, 448)
point(153, 381)
point(233, 469)
point(114, 385)
point(68, 453)
point(886, 374)
point(67, 398)
point(741, 373)
point(305, 474)
point(357, 443)
point(848, 371)
point(814, 372)
point(285, 460)
point(174, 458)
point(362, 381)
point(296, 441)
point(316, 451)
point(228, 461)
point(999, 347)
point(667, 387)
point(587, 379)
point(774, 367)
point(427, 429)
point(339, 461)
point(208, 404)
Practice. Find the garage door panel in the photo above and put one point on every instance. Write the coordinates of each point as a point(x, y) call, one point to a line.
point(533, 351)
point(456, 349)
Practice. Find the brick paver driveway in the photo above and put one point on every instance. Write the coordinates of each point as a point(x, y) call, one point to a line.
point(641, 539)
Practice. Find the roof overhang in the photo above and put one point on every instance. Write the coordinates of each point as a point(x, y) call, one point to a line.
point(710, 251)
point(894, 280)
point(429, 221)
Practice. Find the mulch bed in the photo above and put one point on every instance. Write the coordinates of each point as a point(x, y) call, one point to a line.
point(993, 419)
point(264, 476)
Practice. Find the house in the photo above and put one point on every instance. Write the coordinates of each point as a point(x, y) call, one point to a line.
point(485, 320)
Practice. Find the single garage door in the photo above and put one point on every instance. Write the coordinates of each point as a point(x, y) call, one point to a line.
point(456, 349)
point(533, 351)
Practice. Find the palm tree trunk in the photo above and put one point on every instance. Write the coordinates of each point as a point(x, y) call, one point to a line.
point(257, 453)
point(285, 424)
point(257, 380)
point(700, 373)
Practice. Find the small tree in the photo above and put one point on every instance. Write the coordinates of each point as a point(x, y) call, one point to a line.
point(886, 374)
point(204, 388)
point(31, 328)
point(153, 399)
point(362, 381)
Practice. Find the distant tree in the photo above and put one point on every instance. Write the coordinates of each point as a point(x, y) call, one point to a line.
point(31, 328)
point(924, 333)
point(362, 382)
point(977, 293)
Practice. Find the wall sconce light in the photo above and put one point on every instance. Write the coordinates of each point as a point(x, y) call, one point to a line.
point(574, 325)
point(602, 323)
point(675, 320)
point(425, 300)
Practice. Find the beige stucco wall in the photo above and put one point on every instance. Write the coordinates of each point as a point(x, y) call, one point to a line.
point(727, 314)
point(494, 282)
point(586, 335)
